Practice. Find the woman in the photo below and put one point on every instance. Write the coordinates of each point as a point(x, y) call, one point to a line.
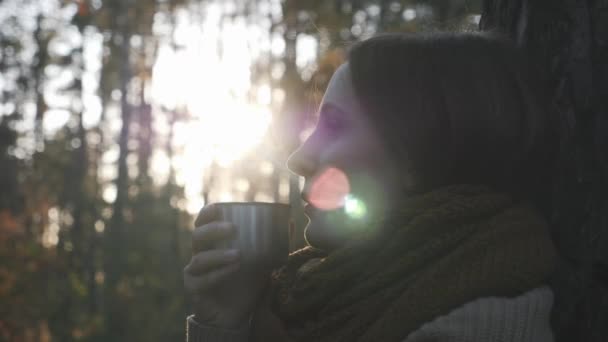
point(445, 141)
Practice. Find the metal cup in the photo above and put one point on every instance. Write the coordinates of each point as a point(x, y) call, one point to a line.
point(262, 232)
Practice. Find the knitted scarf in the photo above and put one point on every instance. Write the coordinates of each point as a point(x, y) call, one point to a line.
point(437, 252)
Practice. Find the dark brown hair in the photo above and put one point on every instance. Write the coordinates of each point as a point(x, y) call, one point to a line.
point(459, 108)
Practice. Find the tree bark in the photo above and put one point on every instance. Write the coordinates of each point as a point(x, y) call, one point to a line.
point(568, 40)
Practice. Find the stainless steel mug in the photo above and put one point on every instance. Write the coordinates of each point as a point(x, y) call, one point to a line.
point(262, 232)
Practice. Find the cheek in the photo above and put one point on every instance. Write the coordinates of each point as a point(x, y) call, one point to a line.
point(350, 152)
point(372, 176)
point(362, 160)
point(368, 174)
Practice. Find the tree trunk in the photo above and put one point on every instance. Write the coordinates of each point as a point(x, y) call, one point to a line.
point(144, 118)
point(293, 110)
point(42, 57)
point(114, 248)
point(568, 39)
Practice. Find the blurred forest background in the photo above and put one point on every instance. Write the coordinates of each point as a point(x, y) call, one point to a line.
point(98, 182)
point(119, 119)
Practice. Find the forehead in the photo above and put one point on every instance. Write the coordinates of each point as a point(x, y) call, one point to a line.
point(340, 92)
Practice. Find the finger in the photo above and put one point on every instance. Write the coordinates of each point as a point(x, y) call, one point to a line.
point(206, 236)
point(207, 214)
point(198, 284)
point(207, 261)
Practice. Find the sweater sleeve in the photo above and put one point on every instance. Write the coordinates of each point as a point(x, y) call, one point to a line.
point(493, 319)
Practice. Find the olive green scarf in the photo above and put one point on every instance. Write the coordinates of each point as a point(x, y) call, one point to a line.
point(439, 251)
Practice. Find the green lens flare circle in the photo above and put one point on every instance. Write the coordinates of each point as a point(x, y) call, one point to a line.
point(354, 207)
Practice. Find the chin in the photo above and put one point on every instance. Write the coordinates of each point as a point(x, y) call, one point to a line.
point(323, 236)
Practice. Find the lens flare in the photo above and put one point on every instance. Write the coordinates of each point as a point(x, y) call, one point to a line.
point(354, 207)
point(329, 189)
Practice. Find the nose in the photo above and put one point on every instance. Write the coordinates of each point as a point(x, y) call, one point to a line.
point(303, 161)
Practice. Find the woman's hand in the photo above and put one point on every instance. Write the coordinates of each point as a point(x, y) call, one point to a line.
point(211, 277)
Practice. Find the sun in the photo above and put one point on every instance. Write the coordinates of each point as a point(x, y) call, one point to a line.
point(225, 123)
point(225, 132)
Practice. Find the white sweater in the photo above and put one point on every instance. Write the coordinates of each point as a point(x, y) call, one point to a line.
point(493, 319)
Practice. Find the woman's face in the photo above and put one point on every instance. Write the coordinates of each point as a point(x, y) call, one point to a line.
point(349, 177)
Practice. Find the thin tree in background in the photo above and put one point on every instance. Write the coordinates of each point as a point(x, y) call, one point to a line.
point(114, 249)
point(41, 60)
